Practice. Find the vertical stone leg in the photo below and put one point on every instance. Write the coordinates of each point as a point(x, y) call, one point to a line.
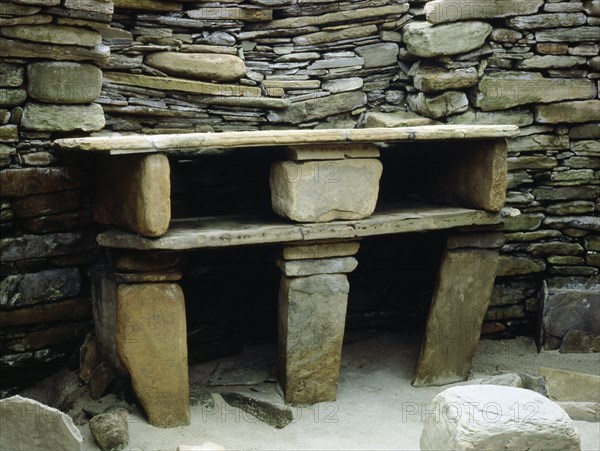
point(313, 297)
point(151, 337)
point(461, 298)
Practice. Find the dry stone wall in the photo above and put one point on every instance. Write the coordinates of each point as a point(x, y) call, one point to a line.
point(183, 66)
point(49, 81)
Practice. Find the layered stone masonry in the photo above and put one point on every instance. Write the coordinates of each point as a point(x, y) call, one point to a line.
point(49, 81)
point(171, 66)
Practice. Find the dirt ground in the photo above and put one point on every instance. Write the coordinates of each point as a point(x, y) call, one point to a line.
point(377, 408)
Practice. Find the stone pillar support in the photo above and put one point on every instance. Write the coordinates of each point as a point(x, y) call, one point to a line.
point(313, 297)
point(461, 298)
point(150, 338)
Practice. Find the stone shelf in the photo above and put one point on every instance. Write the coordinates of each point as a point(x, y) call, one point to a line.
point(227, 231)
point(195, 143)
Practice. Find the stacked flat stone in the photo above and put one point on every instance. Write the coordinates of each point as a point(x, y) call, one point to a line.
point(49, 81)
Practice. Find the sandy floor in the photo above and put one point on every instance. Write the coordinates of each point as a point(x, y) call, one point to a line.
point(377, 408)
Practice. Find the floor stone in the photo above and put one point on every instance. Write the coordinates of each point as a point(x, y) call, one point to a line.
point(29, 425)
point(487, 417)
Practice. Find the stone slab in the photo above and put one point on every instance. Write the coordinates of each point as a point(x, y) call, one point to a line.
point(156, 361)
point(325, 190)
point(134, 192)
point(508, 89)
point(320, 250)
point(441, 11)
point(217, 232)
point(198, 66)
point(29, 425)
point(64, 82)
point(564, 385)
point(310, 267)
point(461, 297)
point(495, 417)
point(568, 112)
point(194, 142)
point(63, 118)
point(312, 313)
point(426, 40)
point(476, 176)
point(21, 49)
point(54, 34)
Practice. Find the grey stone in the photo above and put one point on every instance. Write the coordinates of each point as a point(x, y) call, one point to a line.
point(446, 104)
point(64, 82)
point(572, 309)
point(509, 265)
point(64, 118)
point(517, 117)
point(50, 245)
point(276, 415)
point(567, 193)
point(506, 35)
point(547, 21)
point(20, 290)
point(343, 84)
point(335, 63)
point(551, 62)
point(297, 268)
point(575, 34)
point(503, 90)
point(378, 55)
point(585, 131)
point(12, 96)
point(110, 429)
point(321, 191)
point(433, 79)
point(439, 11)
point(29, 425)
point(504, 380)
point(580, 111)
point(11, 75)
point(591, 223)
point(571, 208)
point(555, 248)
point(463, 421)
point(426, 40)
point(538, 142)
point(319, 108)
point(54, 34)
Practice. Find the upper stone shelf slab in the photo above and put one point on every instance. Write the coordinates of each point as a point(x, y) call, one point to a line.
point(194, 142)
point(216, 232)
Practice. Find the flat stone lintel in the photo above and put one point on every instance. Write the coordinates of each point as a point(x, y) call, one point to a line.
point(309, 267)
point(320, 250)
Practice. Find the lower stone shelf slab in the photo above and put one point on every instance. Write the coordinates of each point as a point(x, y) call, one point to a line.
point(228, 231)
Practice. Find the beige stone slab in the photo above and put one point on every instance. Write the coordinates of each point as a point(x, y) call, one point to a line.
point(181, 84)
point(152, 344)
point(475, 176)
point(322, 191)
point(194, 142)
point(312, 316)
point(134, 192)
point(564, 385)
point(332, 152)
point(325, 250)
point(461, 297)
point(216, 232)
